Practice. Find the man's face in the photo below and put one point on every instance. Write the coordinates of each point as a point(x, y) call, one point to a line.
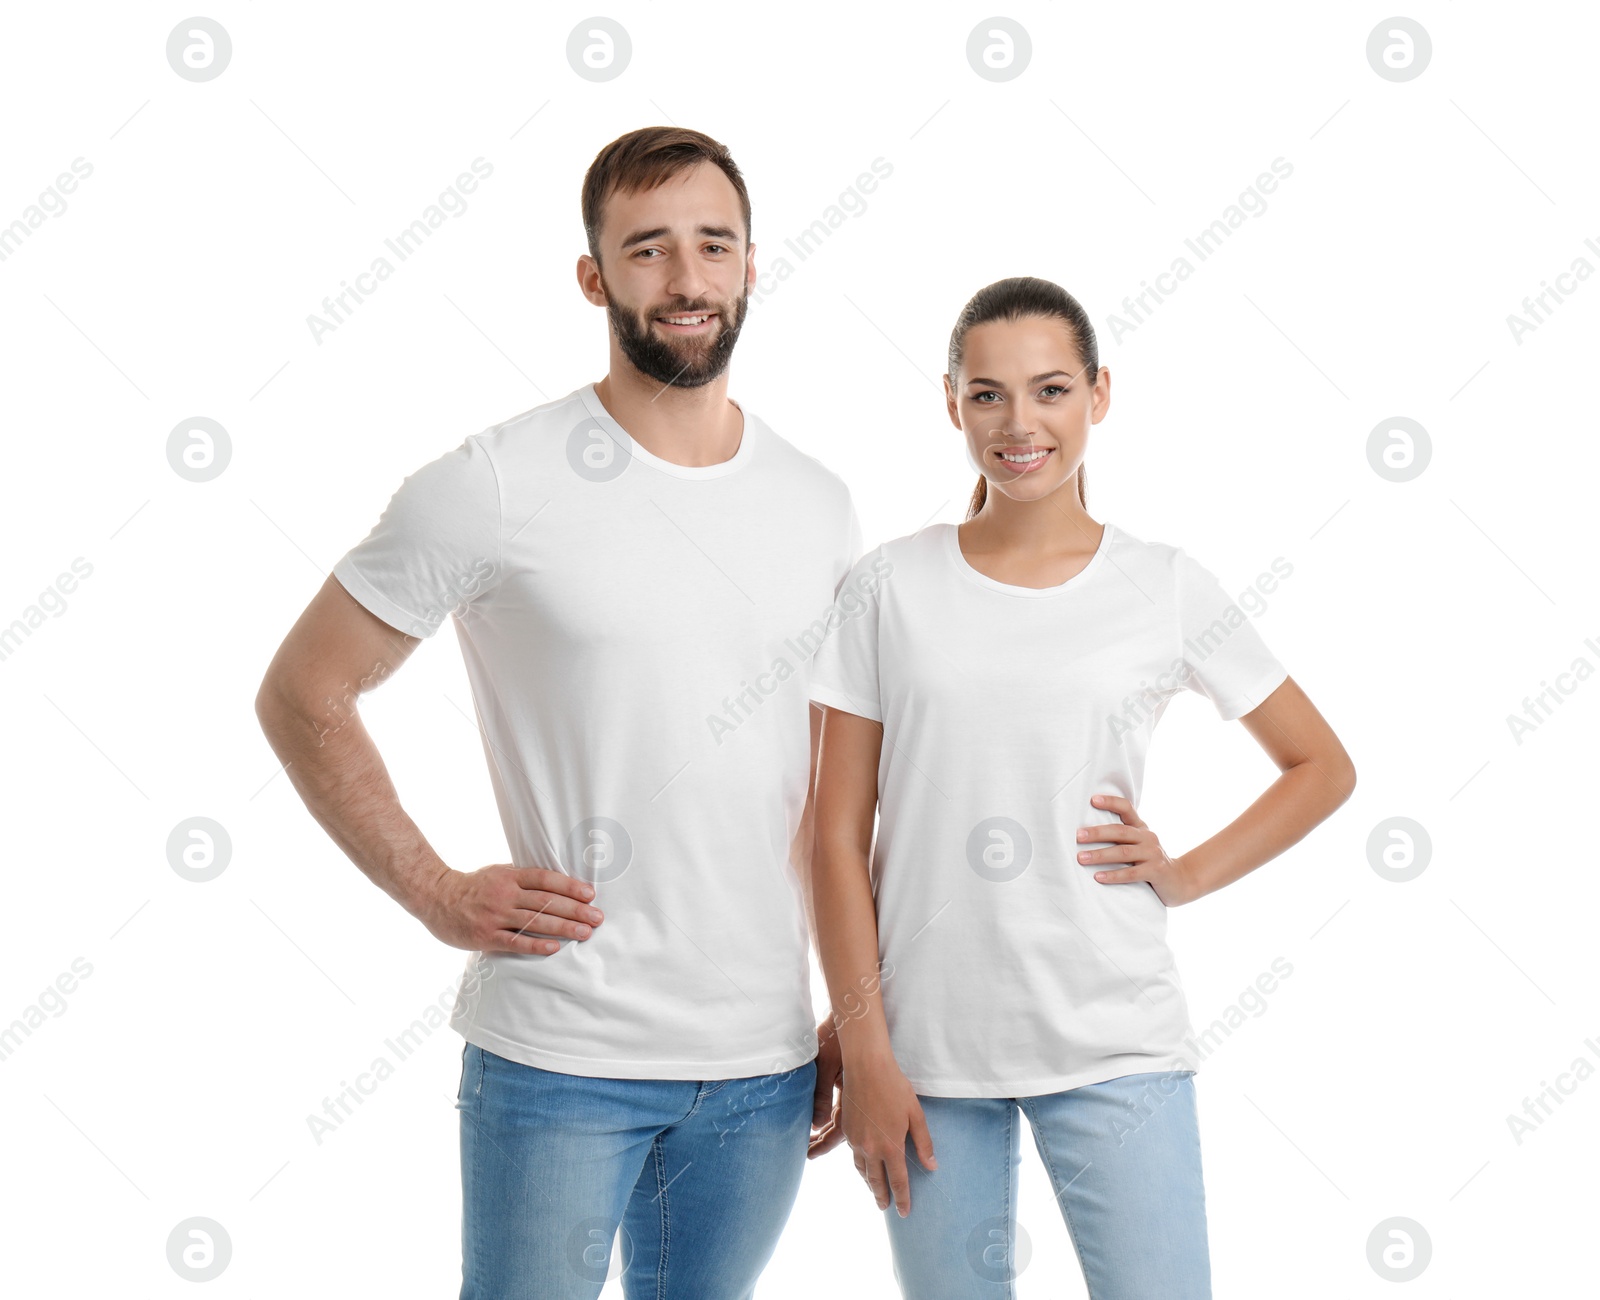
point(676, 274)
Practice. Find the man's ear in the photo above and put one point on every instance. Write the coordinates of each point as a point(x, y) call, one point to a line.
point(589, 283)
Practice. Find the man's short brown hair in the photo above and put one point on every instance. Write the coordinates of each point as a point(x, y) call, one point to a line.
point(645, 158)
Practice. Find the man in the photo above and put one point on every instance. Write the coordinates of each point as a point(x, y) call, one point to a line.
point(638, 574)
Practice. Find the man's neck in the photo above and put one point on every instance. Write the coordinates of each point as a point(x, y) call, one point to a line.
point(687, 426)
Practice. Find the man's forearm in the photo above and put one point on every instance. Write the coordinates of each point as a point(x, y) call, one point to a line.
point(344, 784)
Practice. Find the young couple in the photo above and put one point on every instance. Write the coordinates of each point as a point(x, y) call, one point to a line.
point(638, 574)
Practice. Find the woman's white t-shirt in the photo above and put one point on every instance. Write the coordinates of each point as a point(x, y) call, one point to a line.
point(1008, 970)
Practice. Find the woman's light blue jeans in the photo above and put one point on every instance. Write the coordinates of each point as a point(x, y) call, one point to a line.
point(700, 1176)
point(1124, 1159)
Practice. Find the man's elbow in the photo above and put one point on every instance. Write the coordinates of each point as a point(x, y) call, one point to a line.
point(270, 698)
point(267, 702)
point(277, 703)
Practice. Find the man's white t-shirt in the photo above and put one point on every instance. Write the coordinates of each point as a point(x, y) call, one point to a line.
point(638, 636)
point(1008, 970)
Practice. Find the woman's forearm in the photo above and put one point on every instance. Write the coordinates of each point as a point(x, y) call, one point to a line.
point(847, 946)
point(1302, 797)
point(846, 913)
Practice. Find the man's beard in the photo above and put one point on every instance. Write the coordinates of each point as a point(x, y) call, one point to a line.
point(686, 364)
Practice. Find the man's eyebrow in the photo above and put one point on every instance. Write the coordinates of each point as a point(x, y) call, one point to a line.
point(710, 232)
point(995, 383)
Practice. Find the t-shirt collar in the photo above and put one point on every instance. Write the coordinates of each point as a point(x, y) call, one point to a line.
point(740, 458)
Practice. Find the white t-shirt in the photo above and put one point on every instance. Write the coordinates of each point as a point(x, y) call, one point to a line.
point(1009, 970)
point(638, 636)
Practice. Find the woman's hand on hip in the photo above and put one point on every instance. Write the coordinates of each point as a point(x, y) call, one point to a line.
point(1136, 845)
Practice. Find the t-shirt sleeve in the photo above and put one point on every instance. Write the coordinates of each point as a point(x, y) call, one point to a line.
point(853, 546)
point(1224, 657)
point(436, 549)
point(844, 669)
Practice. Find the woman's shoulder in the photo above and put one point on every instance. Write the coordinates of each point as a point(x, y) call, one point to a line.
point(1154, 566)
point(1168, 566)
point(1158, 554)
point(920, 545)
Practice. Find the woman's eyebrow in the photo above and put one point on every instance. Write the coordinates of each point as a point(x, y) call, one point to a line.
point(995, 383)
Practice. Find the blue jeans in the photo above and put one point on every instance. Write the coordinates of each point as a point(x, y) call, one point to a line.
point(700, 1177)
point(1124, 1159)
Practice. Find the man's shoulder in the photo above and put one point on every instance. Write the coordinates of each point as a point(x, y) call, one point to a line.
point(806, 470)
point(558, 415)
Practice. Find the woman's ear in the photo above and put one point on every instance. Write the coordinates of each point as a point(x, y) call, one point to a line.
point(1101, 401)
point(950, 402)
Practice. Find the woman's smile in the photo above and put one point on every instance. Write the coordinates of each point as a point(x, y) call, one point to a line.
point(1023, 460)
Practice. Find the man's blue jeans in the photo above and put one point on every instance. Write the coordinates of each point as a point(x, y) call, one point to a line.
point(1124, 1160)
point(700, 1176)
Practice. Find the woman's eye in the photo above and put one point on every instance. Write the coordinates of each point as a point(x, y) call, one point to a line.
point(978, 397)
point(1053, 387)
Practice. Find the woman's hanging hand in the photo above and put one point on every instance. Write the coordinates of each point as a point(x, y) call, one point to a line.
point(881, 1110)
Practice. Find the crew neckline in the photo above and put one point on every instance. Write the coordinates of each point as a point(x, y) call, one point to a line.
point(952, 538)
point(741, 457)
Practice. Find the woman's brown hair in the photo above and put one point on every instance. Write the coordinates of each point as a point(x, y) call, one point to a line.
point(1018, 298)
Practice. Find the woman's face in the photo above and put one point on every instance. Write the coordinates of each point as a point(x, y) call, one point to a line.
point(1024, 407)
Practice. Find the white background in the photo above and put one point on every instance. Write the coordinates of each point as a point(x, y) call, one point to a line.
point(177, 1078)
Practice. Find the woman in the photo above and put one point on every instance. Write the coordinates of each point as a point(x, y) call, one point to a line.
point(990, 693)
